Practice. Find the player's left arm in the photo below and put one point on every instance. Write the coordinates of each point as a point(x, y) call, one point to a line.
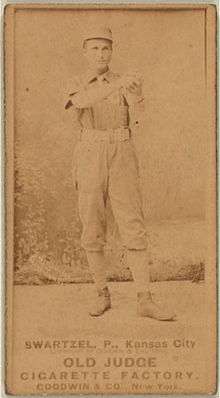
point(135, 98)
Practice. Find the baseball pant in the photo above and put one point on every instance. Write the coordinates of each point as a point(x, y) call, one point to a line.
point(109, 169)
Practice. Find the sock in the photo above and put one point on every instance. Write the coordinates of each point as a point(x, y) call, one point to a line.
point(137, 260)
point(97, 267)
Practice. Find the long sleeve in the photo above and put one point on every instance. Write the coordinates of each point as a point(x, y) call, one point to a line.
point(74, 88)
point(87, 96)
point(136, 109)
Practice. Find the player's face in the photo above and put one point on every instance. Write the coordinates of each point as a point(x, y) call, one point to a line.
point(98, 53)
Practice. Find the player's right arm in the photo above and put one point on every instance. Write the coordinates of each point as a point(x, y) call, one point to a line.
point(86, 96)
point(74, 88)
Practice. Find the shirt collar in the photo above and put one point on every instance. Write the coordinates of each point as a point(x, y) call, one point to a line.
point(104, 76)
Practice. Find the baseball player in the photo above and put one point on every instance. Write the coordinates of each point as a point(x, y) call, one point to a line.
point(106, 166)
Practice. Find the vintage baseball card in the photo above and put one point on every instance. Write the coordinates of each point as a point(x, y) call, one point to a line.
point(111, 259)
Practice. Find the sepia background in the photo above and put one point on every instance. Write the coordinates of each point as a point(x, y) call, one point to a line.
point(170, 54)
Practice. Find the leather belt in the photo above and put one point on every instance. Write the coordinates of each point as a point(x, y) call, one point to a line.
point(109, 135)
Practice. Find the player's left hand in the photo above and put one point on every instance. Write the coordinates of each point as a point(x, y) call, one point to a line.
point(134, 84)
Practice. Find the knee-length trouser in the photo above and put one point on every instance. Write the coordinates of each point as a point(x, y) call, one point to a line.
point(109, 169)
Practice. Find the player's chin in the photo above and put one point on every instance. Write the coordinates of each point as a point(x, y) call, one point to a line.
point(101, 66)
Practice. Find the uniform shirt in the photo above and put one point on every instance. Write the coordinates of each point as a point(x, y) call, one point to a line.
point(117, 110)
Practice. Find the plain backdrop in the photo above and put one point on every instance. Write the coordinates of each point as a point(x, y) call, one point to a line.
point(168, 48)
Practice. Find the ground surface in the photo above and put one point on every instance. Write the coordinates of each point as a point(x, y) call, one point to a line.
point(71, 304)
point(48, 313)
point(177, 250)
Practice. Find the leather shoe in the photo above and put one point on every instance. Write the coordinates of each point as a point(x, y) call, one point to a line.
point(102, 302)
point(148, 308)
